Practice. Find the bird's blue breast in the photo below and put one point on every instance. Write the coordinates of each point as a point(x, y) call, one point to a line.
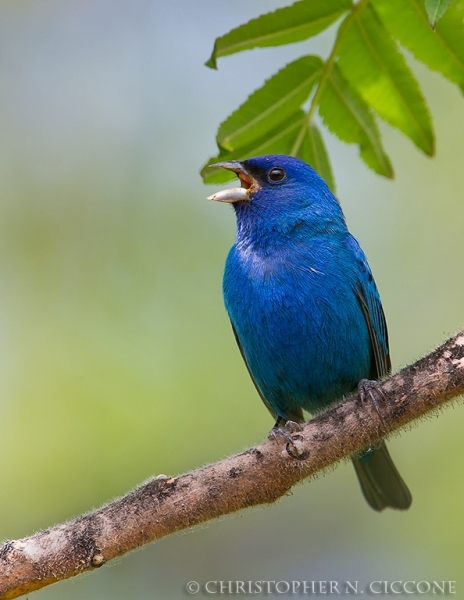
point(298, 320)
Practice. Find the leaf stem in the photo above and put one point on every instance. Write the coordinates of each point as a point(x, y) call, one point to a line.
point(326, 70)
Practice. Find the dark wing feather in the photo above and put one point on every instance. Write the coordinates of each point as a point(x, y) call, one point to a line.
point(371, 306)
point(380, 481)
point(375, 318)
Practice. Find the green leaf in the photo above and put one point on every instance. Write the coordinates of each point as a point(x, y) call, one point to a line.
point(435, 10)
point(283, 26)
point(272, 104)
point(346, 114)
point(278, 141)
point(313, 151)
point(451, 30)
point(443, 49)
point(371, 62)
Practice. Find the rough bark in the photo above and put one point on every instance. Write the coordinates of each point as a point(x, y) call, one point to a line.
point(259, 475)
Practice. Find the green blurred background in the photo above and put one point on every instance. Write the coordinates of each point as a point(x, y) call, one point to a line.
point(117, 358)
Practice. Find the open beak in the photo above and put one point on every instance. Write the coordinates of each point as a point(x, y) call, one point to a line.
point(236, 194)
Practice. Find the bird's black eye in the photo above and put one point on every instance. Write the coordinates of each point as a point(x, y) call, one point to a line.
point(276, 174)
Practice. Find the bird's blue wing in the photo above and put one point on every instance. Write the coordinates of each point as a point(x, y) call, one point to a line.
point(295, 415)
point(371, 306)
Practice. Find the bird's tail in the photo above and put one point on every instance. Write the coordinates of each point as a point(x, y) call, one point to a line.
point(380, 481)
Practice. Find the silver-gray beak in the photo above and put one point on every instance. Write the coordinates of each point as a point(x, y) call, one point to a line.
point(235, 194)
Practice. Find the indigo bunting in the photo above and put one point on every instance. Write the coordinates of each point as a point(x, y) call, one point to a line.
point(303, 304)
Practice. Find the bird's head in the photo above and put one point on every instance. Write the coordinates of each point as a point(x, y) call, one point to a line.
point(277, 186)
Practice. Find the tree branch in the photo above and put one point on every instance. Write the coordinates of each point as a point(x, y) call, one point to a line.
point(259, 475)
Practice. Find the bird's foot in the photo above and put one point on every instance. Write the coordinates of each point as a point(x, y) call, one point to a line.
point(293, 443)
point(282, 430)
point(292, 427)
point(370, 389)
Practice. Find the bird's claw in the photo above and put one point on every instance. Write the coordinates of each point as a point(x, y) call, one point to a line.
point(370, 389)
point(292, 427)
point(293, 444)
point(278, 434)
point(284, 433)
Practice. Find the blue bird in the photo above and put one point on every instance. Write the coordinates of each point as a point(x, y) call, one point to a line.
point(303, 304)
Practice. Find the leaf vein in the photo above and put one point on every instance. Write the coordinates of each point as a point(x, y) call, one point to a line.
point(272, 108)
point(289, 30)
point(370, 137)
